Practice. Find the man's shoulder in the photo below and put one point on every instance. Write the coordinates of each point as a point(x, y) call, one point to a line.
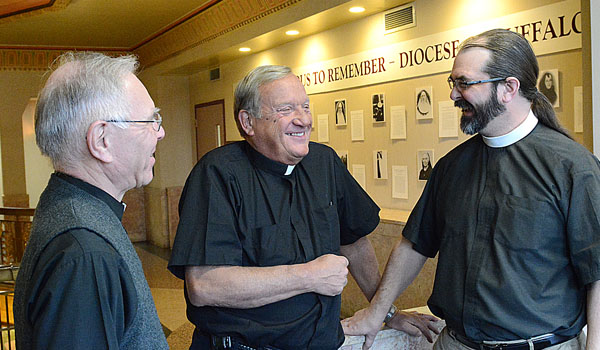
point(228, 152)
point(319, 147)
point(63, 207)
point(81, 249)
point(562, 150)
point(224, 157)
point(462, 150)
point(223, 161)
point(319, 150)
point(79, 242)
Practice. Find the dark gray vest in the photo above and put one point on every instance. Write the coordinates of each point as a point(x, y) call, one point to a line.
point(62, 207)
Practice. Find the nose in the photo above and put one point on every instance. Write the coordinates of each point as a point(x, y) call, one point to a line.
point(303, 117)
point(455, 94)
point(160, 134)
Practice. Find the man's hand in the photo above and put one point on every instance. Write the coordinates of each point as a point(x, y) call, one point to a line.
point(362, 324)
point(414, 323)
point(328, 274)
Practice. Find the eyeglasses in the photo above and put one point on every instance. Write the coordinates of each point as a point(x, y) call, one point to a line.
point(463, 84)
point(156, 121)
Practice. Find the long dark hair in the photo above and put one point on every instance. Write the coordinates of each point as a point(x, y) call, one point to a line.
point(512, 56)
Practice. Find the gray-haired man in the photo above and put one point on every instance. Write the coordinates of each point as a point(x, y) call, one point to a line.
point(80, 283)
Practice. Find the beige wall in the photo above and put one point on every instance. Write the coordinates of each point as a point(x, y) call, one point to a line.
point(432, 17)
point(38, 168)
point(174, 154)
point(16, 88)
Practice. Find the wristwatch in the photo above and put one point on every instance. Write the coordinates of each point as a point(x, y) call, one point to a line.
point(390, 314)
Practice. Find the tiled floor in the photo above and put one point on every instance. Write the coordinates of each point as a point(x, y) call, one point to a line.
point(167, 291)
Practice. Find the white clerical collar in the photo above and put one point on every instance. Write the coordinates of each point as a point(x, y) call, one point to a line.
point(289, 170)
point(517, 134)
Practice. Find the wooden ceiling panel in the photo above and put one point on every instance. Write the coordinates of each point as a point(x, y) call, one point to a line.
point(223, 17)
point(12, 9)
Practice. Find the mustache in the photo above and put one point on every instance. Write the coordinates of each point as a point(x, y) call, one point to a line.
point(463, 104)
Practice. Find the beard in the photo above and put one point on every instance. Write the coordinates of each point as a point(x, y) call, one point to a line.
point(482, 115)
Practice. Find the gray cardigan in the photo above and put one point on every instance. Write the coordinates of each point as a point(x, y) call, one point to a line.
point(63, 207)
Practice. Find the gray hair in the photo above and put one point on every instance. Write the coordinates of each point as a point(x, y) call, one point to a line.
point(247, 94)
point(512, 56)
point(83, 88)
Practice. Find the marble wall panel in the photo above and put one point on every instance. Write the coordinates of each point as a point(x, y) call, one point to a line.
point(173, 195)
point(383, 239)
point(134, 217)
point(157, 225)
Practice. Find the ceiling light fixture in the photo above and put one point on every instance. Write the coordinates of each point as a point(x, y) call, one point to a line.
point(292, 32)
point(244, 49)
point(357, 9)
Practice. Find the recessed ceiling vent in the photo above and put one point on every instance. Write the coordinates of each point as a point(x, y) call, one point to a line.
point(400, 18)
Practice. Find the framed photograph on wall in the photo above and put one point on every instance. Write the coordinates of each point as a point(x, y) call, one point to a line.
point(344, 157)
point(340, 113)
point(424, 103)
point(424, 163)
point(549, 86)
point(380, 164)
point(378, 108)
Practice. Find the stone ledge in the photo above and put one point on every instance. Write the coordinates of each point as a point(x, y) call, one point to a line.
point(389, 339)
point(393, 216)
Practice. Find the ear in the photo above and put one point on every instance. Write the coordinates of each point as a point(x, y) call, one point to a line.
point(510, 89)
point(97, 141)
point(245, 120)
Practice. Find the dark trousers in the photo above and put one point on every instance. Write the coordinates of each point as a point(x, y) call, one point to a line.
point(200, 341)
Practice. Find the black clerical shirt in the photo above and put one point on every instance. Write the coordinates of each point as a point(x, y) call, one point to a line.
point(516, 229)
point(239, 208)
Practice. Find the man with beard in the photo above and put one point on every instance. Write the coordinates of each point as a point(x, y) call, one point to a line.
point(512, 212)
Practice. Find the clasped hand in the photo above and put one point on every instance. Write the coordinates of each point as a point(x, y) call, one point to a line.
point(412, 323)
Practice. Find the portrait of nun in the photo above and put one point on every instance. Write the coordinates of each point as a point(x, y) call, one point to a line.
point(424, 103)
point(425, 164)
point(340, 112)
point(548, 86)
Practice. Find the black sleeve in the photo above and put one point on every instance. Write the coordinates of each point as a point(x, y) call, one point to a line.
point(82, 297)
point(207, 233)
point(420, 227)
point(358, 213)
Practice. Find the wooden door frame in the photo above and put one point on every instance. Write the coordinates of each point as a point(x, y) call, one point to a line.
point(211, 103)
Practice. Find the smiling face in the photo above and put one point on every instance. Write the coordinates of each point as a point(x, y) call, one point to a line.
point(425, 160)
point(548, 81)
point(479, 102)
point(282, 133)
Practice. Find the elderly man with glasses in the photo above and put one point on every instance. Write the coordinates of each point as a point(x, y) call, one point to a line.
point(269, 228)
point(512, 212)
point(81, 283)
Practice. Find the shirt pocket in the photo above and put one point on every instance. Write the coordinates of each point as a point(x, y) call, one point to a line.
point(326, 229)
point(272, 245)
point(522, 223)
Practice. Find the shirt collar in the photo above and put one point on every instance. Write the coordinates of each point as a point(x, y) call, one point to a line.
point(117, 207)
point(289, 169)
point(264, 163)
point(514, 136)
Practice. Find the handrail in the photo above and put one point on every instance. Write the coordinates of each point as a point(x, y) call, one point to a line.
point(17, 211)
